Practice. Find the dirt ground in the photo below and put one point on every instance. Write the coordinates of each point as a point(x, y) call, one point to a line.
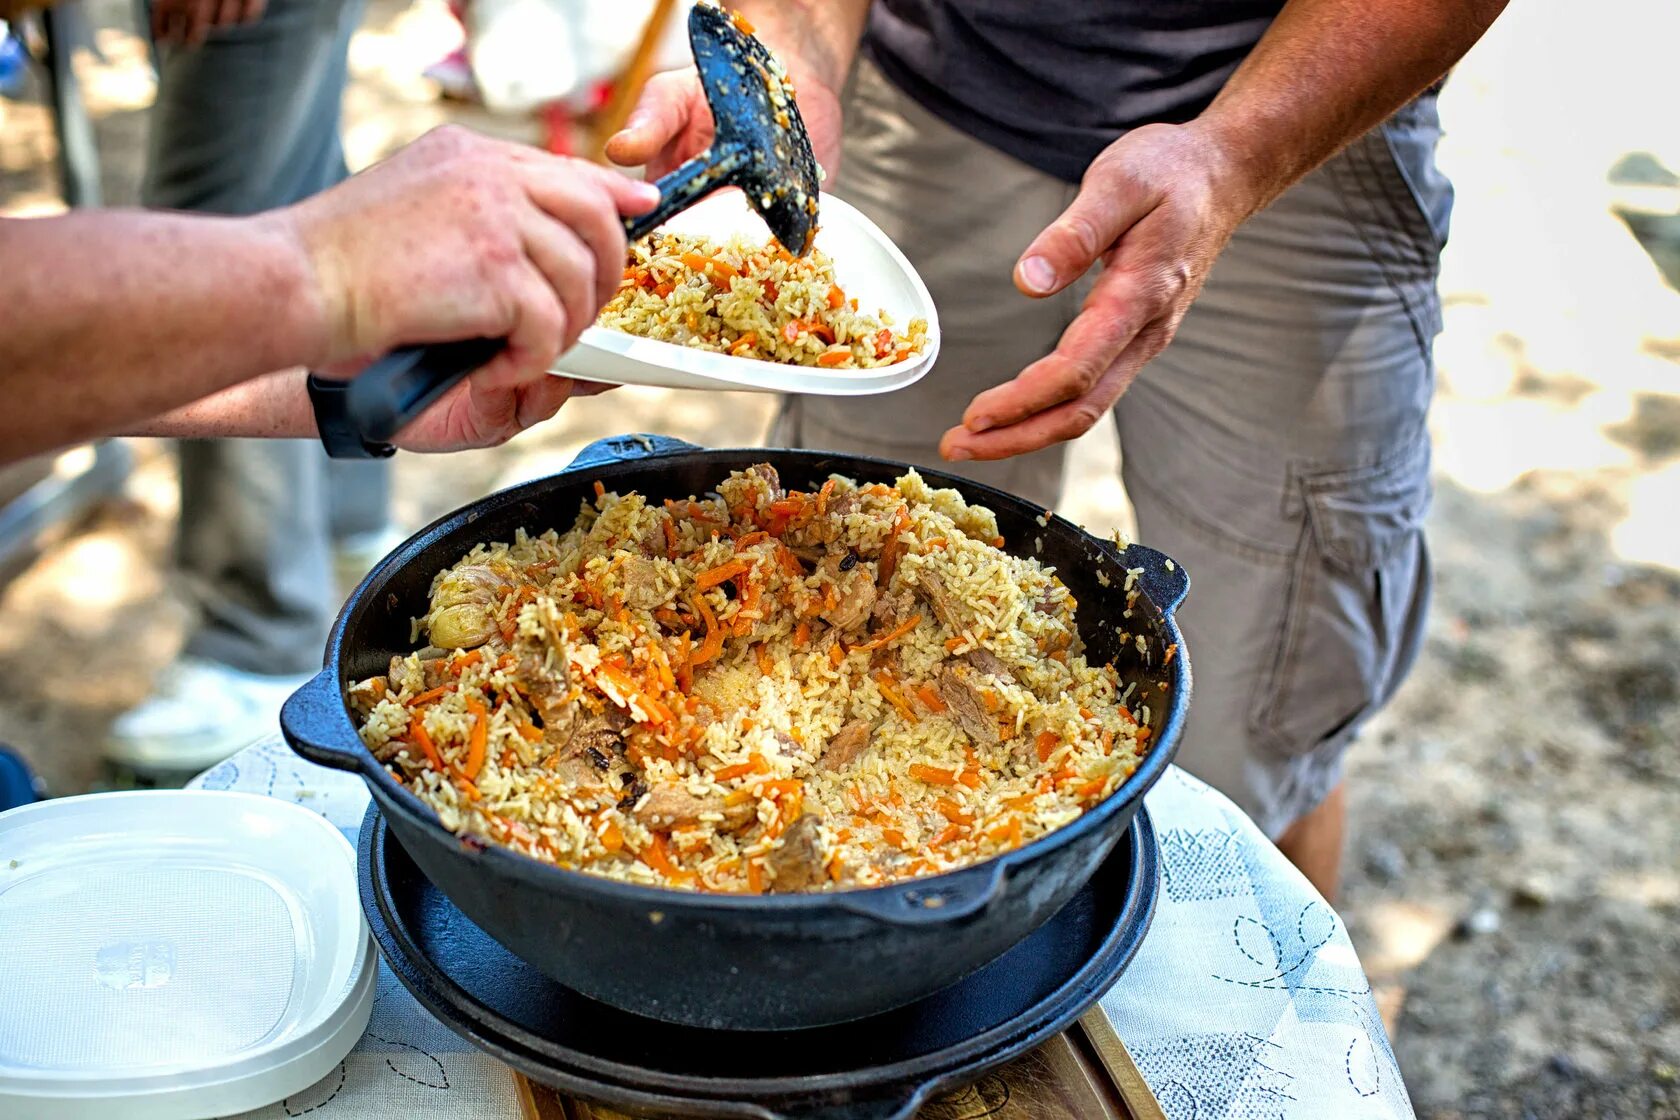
point(1513, 882)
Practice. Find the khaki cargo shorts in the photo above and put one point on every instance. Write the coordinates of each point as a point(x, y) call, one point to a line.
point(1277, 449)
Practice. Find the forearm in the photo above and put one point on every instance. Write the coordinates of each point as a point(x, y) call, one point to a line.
point(113, 317)
point(1324, 73)
point(273, 406)
point(813, 38)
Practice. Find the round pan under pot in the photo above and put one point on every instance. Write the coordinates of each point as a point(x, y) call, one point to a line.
point(778, 961)
point(880, 1068)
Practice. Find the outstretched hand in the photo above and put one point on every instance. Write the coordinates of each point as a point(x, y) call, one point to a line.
point(1155, 209)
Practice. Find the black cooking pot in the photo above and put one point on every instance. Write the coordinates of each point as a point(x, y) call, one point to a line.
point(751, 961)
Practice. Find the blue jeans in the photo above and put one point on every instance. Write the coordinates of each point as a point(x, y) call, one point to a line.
point(249, 121)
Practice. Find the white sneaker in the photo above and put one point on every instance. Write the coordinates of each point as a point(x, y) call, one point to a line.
point(200, 713)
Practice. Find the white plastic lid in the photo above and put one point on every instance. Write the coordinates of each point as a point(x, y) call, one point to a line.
point(174, 954)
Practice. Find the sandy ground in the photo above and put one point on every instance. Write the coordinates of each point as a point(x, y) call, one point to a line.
point(1513, 882)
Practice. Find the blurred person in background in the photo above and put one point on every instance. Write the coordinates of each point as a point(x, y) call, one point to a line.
point(1279, 447)
point(247, 120)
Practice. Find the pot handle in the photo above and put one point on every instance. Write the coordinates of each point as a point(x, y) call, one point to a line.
point(313, 718)
point(933, 902)
point(1165, 580)
point(634, 446)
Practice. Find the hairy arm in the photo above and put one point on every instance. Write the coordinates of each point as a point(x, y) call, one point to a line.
point(814, 38)
point(273, 406)
point(1325, 72)
point(115, 316)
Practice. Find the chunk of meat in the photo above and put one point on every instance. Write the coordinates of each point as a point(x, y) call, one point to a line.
point(846, 744)
point(941, 601)
point(671, 806)
point(594, 736)
point(583, 776)
point(365, 695)
point(653, 542)
point(754, 488)
point(854, 591)
point(959, 687)
point(428, 674)
point(986, 661)
point(891, 608)
point(797, 865)
point(769, 476)
point(644, 583)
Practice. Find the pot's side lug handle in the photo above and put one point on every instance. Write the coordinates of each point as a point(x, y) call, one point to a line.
point(932, 902)
point(901, 1107)
point(1164, 578)
point(315, 725)
point(634, 446)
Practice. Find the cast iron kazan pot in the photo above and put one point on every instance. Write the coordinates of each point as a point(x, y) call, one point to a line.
point(757, 962)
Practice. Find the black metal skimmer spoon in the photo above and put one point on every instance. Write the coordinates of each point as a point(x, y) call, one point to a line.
point(759, 145)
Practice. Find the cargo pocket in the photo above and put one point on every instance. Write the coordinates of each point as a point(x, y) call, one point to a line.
point(1354, 610)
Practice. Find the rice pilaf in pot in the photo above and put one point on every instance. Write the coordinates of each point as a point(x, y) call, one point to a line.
point(755, 691)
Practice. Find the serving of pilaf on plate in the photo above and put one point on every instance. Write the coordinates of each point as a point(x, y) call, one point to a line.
point(757, 690)
point(752, 300)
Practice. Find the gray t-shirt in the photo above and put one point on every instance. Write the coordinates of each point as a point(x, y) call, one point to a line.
point(1054, 82)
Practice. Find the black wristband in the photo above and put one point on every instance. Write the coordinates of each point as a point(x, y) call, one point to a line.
point(338, 432)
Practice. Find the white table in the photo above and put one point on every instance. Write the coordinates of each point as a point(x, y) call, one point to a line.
point(1246, 1000)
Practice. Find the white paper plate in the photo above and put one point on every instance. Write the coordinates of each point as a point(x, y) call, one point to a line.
point(866, 263)
point(174, 954)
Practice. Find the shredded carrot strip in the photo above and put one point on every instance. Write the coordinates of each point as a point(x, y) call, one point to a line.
point(926, 694)
point(423, 740)
point(1108, 741)
point(1090, 789)
point(933, 775)
point(464, 660)
point(600, 491)
point(990, 700)
point(1047, 743)
point(894, 837)
point(766, 664)
point(894, 634)
point(836, 655)
point(612, 838)
point(755, 877)
point(950, 833)
point(477, 740)
point(530, 732)
point(970, 778)
point(952, 812)
point(431, 694)
point(836, 297)
point(713, 643)
point(952, 645)
point(1022, 802)
point(823, 495)
point(758, 536)
point(755, 764)
point(510, 759)
point(889, 689)
point(802, 635)
point(937, 542)
point(1085, 713)
point(894, 548)
point(658, 857)
point(838, 356)
point(1143, 733)
point(723, 573)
